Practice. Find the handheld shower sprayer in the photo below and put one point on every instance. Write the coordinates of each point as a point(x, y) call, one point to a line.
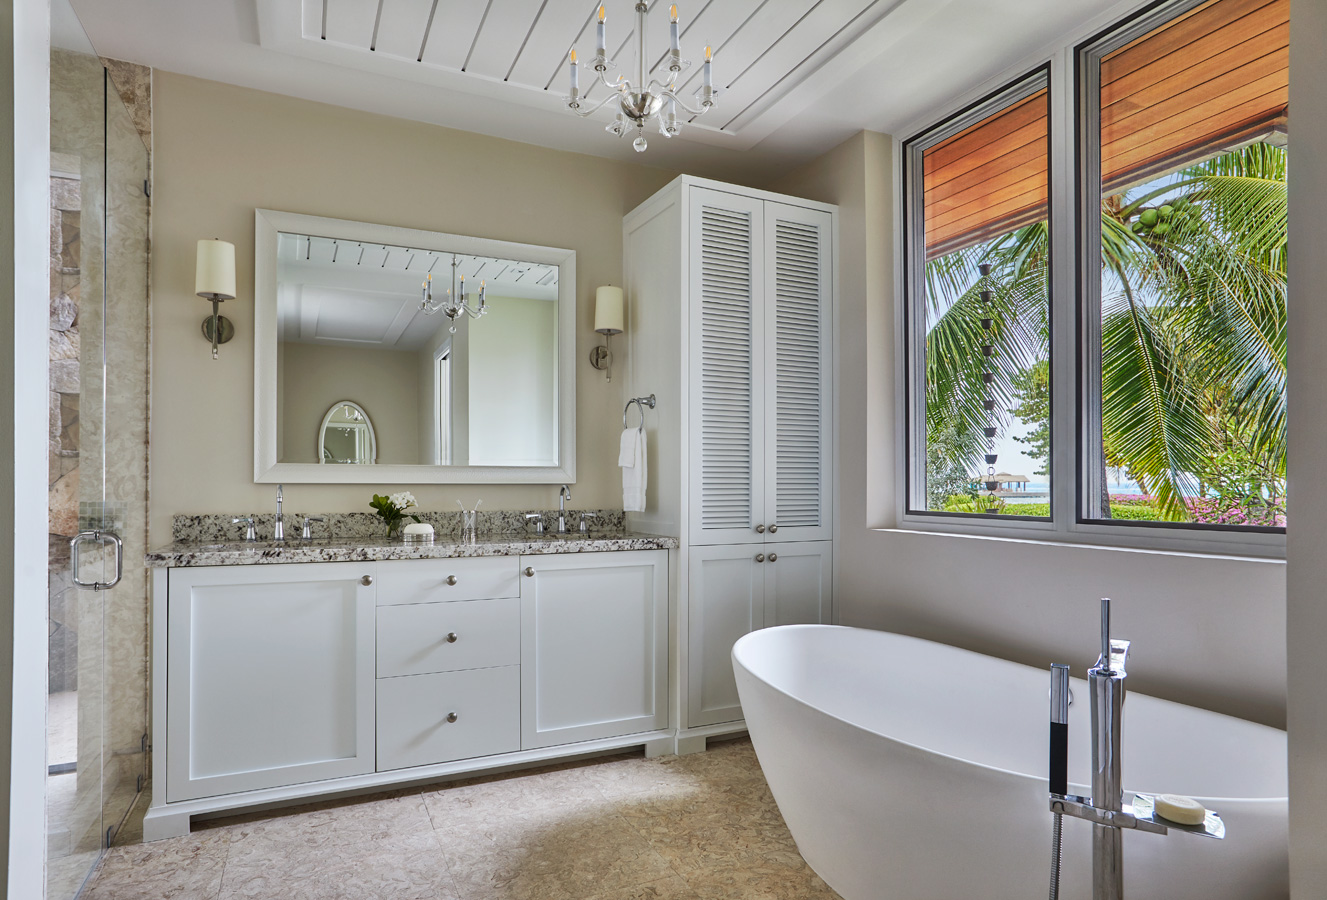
point(1059, 763)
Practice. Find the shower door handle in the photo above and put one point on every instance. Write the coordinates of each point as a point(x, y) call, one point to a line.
point(101, 537)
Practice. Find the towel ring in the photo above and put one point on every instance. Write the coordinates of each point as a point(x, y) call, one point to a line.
point(641, 403)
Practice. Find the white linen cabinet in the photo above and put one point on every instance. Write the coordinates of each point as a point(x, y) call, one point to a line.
point(730, 298)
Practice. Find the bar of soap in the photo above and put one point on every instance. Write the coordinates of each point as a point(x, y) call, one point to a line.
point(419, 528)
point(1182, 810)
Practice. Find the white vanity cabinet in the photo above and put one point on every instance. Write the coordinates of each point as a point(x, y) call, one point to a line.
point(276, 682)
point(731, 310)
point(594, 646)
point(271, 677)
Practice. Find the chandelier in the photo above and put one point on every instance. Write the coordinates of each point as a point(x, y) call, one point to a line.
point(639, 101)
point(454, 302)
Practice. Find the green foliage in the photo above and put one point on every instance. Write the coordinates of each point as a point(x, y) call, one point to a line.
point(1032, 396)
point(1193, 333)
point(1135, 511)
point(946, 466)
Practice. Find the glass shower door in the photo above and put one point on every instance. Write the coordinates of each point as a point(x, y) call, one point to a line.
point(97, 711)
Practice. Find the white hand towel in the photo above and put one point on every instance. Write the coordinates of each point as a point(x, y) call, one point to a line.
point(631, 457)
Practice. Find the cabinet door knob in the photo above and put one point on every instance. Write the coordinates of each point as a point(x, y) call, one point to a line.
point(760, 557)
point(366, 580)
point(451, 579)
point(451, 717)
point(773, 528)
point(773, 557)
point(529, 571)
point(760, 529)
point(451, 637)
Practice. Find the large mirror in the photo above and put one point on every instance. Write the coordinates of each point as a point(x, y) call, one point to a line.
point(386, 355)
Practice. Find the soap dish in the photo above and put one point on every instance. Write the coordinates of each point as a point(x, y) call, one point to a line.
point(418, 533)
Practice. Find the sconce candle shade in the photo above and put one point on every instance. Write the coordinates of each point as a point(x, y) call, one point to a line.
point(608, 310)
point(608, 322)
point(214, 279)
point(215, 275)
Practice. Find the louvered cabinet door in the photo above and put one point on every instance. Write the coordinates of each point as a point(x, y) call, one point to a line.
point(798, 428)
point(727, 342)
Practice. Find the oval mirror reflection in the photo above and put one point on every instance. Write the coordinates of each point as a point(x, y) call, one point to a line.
point(346, 436)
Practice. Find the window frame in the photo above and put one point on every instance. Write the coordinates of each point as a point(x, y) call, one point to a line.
point(1074, 290)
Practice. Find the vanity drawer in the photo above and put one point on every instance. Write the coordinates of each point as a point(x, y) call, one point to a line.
point(412, 640)
point(429, 580)
point(413, 726)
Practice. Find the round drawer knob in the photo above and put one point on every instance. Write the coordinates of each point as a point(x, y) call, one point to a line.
point(760, 529)
point(451, 717)
point(366, 580)
point(451, 579)
point(451, 637)
point(529, 571)
point(773, 557)
point(760, 557)
point(773, 528)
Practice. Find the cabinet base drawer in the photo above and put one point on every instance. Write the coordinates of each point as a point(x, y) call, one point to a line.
point(425, 719)
point(447, 637)
point(434, 580)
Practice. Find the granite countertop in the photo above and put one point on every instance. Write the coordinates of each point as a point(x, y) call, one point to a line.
point(365, 549)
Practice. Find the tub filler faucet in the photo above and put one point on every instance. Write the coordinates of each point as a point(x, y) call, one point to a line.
point(1105, 808)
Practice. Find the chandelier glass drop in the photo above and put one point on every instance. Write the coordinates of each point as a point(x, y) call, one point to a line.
point(454, 302)
point(640, 101)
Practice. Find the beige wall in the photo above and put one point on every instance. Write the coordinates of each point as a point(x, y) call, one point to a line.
point(513, 384)
point(221, 151)
point(384, 383)
point(1028, 601)
point(1306, 562)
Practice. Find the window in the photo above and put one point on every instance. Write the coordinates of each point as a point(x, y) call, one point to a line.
point(981, 306)
point(1172, 346)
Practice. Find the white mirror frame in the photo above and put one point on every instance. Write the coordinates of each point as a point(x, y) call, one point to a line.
point(268, 470)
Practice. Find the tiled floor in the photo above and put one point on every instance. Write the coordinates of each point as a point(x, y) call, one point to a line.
point(701, 827)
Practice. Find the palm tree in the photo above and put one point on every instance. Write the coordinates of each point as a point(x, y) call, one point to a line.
point(1192, 330)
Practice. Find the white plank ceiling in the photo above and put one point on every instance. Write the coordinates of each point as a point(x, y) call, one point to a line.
point(349, 293)
point(762, 48)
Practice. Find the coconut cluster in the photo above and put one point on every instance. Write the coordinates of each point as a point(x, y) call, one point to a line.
point(1158, 221)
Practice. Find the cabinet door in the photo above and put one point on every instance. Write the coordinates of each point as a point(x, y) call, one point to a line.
point(798, 427)
point(270, 676)
point(727, 346)
point(798, 581)
point(594, 646)
point(727, 589)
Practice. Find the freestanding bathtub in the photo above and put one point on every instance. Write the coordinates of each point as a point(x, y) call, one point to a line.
point(911, 770)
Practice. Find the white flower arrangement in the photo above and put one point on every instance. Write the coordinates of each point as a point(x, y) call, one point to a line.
point(393, 509)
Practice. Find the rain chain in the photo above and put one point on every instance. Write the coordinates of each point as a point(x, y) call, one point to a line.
point(988, 380)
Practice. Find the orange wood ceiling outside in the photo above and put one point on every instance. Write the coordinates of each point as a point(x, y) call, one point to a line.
point(987, 179)
point(1205, 81)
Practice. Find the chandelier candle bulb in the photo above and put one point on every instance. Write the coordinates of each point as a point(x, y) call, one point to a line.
point(601, 37)
point(575, 75)
point(709, 66)
point(676, 43)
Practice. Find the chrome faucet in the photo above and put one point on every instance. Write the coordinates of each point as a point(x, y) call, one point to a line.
point(1105, 808)
point(564, 494)
point(279, 529)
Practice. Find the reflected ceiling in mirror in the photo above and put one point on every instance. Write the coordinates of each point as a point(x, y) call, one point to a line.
point(484, 390)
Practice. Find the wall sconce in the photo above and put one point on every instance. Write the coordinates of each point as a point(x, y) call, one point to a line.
point(608, 322)
point(214, 280)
